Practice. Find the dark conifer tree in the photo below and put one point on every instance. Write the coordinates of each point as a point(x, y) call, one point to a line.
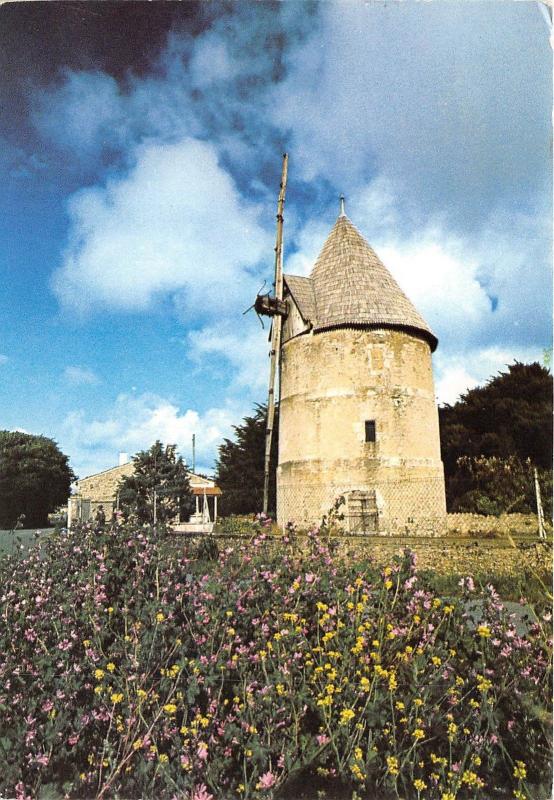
point(240, 466)
point(508, 420)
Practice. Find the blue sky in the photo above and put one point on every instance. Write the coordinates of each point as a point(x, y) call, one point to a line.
point(140, 151)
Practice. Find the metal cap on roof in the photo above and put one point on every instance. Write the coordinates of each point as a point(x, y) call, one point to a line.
point(351, 286)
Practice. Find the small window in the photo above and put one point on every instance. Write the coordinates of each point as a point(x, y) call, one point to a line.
point(370, 430)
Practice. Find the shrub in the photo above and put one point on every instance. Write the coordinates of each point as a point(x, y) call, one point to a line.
point(140, 673)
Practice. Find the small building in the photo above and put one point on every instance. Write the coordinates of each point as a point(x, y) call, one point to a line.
point(358, 415)
point(101, 489)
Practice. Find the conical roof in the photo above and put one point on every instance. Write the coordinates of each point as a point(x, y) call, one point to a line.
point(351, 286)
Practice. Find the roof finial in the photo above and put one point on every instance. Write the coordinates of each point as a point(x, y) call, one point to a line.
point(342, 211)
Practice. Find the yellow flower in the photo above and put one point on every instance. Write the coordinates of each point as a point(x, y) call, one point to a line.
point(346, 715)
point(86, 642)
point(163, 758)
point(452, 728)
point(170, 708)
point(448, 796)
point(392, 765)
point(471, 778)
point(159, 617)
point(388, 584)
point(98, 689)
point(520, 771)
point(418, 701)
point(98, 674)
point(418, 734)
point(110, 610)
point(436, 661)
point(141, 693)
point(419, 784)
point(484, 631)
point(280, 689)
point(137, 744)
point(483, 684)
point(116, 698)
point(110, 667)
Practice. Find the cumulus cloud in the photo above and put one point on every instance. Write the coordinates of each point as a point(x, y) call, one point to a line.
point(456, 374)
point(174, 223)
point(81, 376)
point(135, 422)
point(245, 350)
point(406, 90)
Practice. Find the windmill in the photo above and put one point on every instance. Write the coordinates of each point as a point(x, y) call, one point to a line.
point(276, 308)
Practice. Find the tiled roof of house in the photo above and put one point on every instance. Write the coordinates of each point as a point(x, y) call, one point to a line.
point(351, 286)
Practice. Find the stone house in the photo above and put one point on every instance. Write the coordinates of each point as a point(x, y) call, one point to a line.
point(101, 490)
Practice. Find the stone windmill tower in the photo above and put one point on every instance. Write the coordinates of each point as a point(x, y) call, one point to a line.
point(358, 416)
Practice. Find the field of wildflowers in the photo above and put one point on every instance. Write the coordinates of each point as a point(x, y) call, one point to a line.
point(131, 666)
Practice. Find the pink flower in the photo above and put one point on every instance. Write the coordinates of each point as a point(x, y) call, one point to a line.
point(267, 780)
point(309, 577)
point(47, 706)
point(322, 739)
point(201, 793)
point(202, 751)
point(42, 760)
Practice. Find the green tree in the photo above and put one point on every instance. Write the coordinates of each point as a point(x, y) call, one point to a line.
point(35, 478)
point(494, 436)
point(492, 485)
point(161, 480)
point(240, 466)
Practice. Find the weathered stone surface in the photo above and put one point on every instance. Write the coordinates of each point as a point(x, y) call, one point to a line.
point(331, 383)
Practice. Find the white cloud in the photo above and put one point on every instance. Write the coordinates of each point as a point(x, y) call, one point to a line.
point(175, 223)
point(456, 374)
point(135, 422)
point(80, 376)
point(245, 350)
point(3, 359)
point(417, 93)
point(86, 113)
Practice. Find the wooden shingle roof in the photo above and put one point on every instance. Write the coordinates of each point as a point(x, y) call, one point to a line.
point(303, 292)
point(351, 286)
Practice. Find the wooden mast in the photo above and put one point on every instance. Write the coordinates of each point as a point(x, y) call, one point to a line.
point(277, 322)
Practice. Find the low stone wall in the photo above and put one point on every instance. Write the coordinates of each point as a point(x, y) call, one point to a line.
point(448, 557)
point(477, 524)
